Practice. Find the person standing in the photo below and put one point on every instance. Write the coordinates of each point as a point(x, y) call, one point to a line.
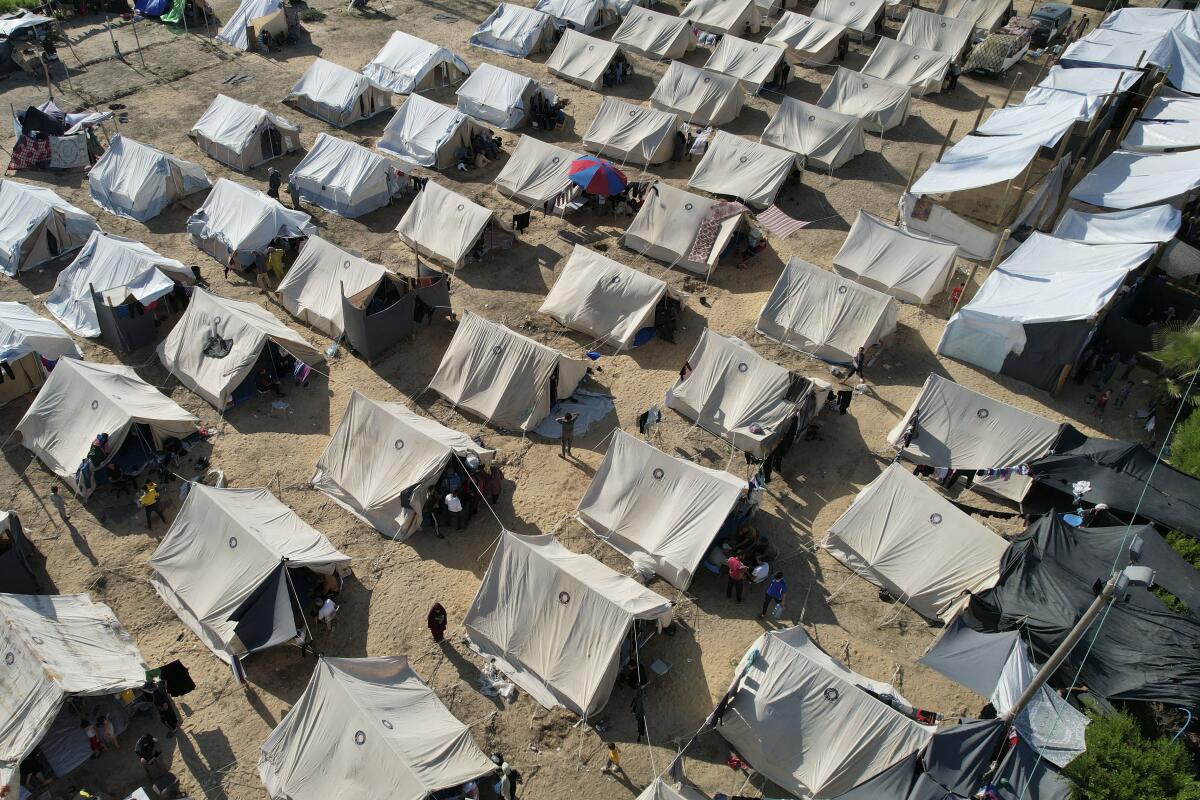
point(149, 501)
point(437, 620)
point(613, 761)
point(776, 591)
point(737, 578)
point(294, 193)
point(261, 270)
point(59, 504)
point(1123, 394)
point(107, 731)
point(454, 510)
point(493, 482)
point(566, 435)
point(275, 262)
point(274, 181)
point(1102, 403)
point(638, 706)
point(857, 365)
point(164, 707)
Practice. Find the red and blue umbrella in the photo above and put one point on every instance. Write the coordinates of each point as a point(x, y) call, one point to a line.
point(597, 176)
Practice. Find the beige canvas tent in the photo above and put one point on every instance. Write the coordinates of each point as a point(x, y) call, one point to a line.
point(445, 226)
point(654, 34)
point(137, 181)
point(628, 132)
point(936, 32)
point(554, 620)
point(668, 223)
point(338, 95)
point(36, 226)
point(508, 379)
point(320, 278)
point(958, 428)
point(660, 789)
point(661, 511)
point(219, 345)
point(232, 565)
point(827, 139)
point(750, 171)
point(236, 219)
point(860, 16)
point(536, 172)
point(985, 15)
point(825, 315)
point(739, 17)
point(748, 61)
point(344, 177)
point(25, 339)
point(904, 264)
point(427, 133)
point(498, 96)
point(243, 136)
point(806, 41)
point(407, 64)
point(915, 67)
point(902, 536)
point(383, 461)
point(368, 727)
point(881, 105)
point(81, 400)
point(698, 96)
point(514, 30)
point(57, 648)
point(809, 723)
point(582, 59)
point(735, 393)
point(605, 298)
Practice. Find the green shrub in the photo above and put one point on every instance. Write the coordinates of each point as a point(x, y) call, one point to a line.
point(311, 15)
point(1121, 764)
point(1185, 446)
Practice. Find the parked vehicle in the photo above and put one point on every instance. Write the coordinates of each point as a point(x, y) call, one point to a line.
point(1052, 20)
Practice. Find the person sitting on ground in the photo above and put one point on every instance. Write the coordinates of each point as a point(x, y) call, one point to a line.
point(147, 751)
point(265, 382)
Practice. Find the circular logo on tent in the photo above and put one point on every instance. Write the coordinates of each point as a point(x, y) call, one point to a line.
point(852, 3)
point(842, 290)
point(812, 117)
point(706, 80)
point(461, 206)
point(831, 694)
point(687, 206)
point(633, 113)
point(866, 85)
point(614, 280)
point(742, 367)
point(95, 404)
point(658, 474)
point(346, 264)
point(217, 319)
point(593, 47)
point(387, 723)
point(360, 738)
point(564, 597)
point(399, 444)
point(917, 57)
point(943, 24)
point(38, 640)
point(935, 518)
point(233, 543)
point(9, 658)
point(742, 159)
point(753, 49)
point(497, 350)
point(983, 413)
point(555, 160)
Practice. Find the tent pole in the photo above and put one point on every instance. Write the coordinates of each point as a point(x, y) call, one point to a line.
point(982, 108)
point(946, 140)
point(113, 39)
point(999, 254)
point(133, 20)
point(1012, 88)
point(1068, 185)
point(912, 175)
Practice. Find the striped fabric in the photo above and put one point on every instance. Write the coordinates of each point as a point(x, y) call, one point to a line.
point(779, 223)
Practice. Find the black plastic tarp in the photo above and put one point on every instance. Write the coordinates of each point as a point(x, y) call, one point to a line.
point(1123, 476)
point(1137, 649)
point(958, 757)
point(1024, 776)
point(17, 575)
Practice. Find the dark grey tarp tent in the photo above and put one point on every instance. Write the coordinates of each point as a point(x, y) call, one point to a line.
point(1123, 475)
point(1141, 651)
point(17, 575)
point(379, 316)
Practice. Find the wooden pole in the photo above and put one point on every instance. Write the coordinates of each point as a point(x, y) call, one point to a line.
point(1011, 89)
point(133, 18)
point(1068, 184)
point(982, 108)
point(1134, 113)
point(1011, 217)
point(912, 175)
point(1095, 155)
point(108, 27)
point(946, 140)
point(996, 257)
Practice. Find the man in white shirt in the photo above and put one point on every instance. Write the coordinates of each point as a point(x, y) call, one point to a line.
point(454, 510)
point(327, 613)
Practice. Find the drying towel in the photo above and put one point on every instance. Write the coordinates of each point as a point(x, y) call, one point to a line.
point(706, 236)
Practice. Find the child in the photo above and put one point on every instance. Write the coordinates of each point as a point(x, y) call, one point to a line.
point(1123, 394)
point(93, 736)
point(1101, 402)
point(614, 760)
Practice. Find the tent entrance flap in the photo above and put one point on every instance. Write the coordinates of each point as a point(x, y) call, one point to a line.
point(255, 617)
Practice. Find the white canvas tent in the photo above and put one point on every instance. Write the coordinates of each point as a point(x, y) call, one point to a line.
point(857, 15)
point(698, 96)
point(659, 789)
point(238, 219)
point(904, 264)
point(880, 104)
point(805, 720)
point(668, 223)
point(344, 177)
point(226, 565)
point(81, 400)
point(56, 647)
point(1152, 224)
point(985, 15)
point(117, 268)
point(582, 59)
point(739, 17)
point(514, 31)
point(25, 339)
point(427, 133)
point(827, 139)
point(823, 314)
point(1089, 85)
point(502, 376)
point(497, 96)
point(36, 225)
point(732, 389)
point(629, 132)
point(1166, 123)
point(958, 428)
point(383, 461)
point(904, 537)
point(917, 68)
point(660, 511)
point(604, 298)
point(536, 172)
point(580, 15)
point(654, 34)
point(243, 136)
point(338, 95)
point(234, 32)
point(750, 62)
point(243, 328)
point(1129, 180)
point(554, 620)
point(444, 225)
point(137, 181)
point(368, 727)
point(407, 64)
point(321, 276)
point(752, 172)
point(936, 32)
point(806, 41)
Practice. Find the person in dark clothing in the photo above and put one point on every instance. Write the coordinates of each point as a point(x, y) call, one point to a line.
point(638, 707)
point(436, 620)
point(843, 401)
point(147, 751)
point(952, 76)
point(567, 435)
point(266, 383)
point(164, 707)
point(856, 365)
point(274, 181)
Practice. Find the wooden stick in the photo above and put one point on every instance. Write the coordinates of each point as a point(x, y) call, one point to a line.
point(946, 141)
point(982, 108)
point(1011, 89)
point(996, 257)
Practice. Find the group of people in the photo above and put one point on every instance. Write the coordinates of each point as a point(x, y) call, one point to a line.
point(461, 493)
point(546, 114)
point(617, 71)
point(483, 149)
point(748, 555)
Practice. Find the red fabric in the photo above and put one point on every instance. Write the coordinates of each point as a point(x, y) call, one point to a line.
point(28, 152)
point(706, 235)
point(737, 570)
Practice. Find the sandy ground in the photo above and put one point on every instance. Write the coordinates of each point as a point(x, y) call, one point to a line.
point(384, 606)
